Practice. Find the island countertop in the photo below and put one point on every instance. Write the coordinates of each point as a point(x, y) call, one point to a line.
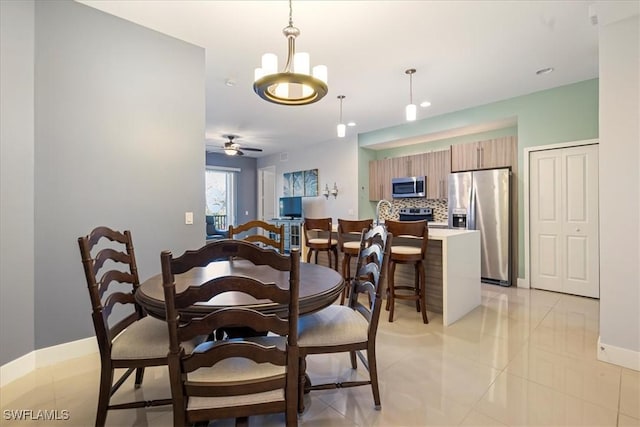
point(458, 269)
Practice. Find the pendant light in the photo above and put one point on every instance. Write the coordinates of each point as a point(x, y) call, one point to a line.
point(294, 85)
point(342, 128)
point(410, 109)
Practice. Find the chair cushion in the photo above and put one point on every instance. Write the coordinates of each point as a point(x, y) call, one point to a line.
point(317, 241)
point(334, 325)
point(237, 369)
point(352, 245)
point(147, 338)
point(405, 250)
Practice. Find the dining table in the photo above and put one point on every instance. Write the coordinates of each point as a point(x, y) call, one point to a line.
point(319, 287)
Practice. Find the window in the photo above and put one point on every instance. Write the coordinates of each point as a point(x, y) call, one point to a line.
point(220, 185)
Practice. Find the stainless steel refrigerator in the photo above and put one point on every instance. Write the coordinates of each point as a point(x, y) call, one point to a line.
point(479, 200)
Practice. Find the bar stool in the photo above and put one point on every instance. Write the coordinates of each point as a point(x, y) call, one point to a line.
point(347, 231)
point(322, 242)
point(402, 254)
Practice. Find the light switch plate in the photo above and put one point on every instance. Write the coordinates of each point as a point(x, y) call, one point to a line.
point(188, 218)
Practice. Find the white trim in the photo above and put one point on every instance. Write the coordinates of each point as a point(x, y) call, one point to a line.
point(523, 283)
point(525, 159)
point(23, 365)
point(223, 168)
point(618, 356)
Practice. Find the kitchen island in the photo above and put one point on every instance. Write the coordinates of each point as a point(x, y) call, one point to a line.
point(452, 272)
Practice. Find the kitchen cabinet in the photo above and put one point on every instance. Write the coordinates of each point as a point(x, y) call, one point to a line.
point(492, 153)
point(380, 174)
point(435, 165)
point(437, 168)
point(414, 165)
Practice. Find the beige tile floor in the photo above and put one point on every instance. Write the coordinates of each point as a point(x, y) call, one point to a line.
point(522, 358)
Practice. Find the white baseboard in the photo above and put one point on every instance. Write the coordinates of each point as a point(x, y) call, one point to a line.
point(618, 356)
point(523, 283)
point(23, 365)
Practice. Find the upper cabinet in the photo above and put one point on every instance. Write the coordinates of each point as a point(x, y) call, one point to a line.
point(436, 166)
point(380, 174)
point(492, 153)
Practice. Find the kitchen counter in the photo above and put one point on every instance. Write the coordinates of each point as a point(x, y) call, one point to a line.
point(433, 224)
point(452, 272)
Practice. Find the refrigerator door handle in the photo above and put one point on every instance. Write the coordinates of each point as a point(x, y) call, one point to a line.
point(471, 220)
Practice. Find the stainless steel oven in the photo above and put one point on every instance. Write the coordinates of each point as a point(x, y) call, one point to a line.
point(416, 214)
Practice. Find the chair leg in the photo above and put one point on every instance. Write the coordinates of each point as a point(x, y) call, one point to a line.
point(302, 367)
point(423, 293)
point(373, 373)
point(390, 281)
point(309, 252)
point(104, 393)
point(139, 377)
point(335, 257)
point(354, 362)
point(416, 285)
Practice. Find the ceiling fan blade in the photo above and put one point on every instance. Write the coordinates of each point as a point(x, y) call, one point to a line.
point(251, 149)
point(240, 153)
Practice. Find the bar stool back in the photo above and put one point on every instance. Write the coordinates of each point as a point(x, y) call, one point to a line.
point(349, 232)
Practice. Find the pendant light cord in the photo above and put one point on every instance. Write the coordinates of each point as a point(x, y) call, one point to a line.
point(290, 14)
point(411, 88)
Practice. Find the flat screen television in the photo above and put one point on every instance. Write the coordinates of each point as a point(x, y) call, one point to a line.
point(291, 207)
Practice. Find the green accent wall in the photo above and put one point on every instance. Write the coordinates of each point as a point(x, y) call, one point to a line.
point(565, 113)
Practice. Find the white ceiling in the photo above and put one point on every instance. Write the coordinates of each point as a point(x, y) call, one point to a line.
point(466, 53)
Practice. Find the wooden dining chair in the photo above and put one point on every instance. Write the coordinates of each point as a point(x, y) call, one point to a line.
point(412, 255)
point(273, 239)
point(350, 328)
point(318, 237)
point(349, 234)
point(237, 377)
point(133, 342)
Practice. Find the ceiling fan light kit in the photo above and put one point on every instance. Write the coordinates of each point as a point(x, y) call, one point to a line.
point(294, 85)
point(232, 148)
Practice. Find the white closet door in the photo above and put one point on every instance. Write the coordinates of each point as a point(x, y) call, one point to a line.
point(564, 220)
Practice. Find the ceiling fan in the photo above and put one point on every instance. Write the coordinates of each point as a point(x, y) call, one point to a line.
point(232, 148)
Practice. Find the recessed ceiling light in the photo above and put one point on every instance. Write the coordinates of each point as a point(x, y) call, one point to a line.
point(425, 104)
point(351, 124)
point(544, 71)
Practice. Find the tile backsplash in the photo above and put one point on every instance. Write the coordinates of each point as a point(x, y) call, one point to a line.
point(439, 207)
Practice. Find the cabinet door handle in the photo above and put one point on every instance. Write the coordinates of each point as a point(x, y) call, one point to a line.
point(477, 157)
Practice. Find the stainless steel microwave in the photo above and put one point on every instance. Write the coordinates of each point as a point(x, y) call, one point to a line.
point(411, 186)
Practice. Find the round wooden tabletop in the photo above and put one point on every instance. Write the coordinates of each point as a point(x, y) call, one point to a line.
point(319, 287)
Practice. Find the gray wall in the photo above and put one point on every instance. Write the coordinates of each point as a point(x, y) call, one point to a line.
point(16, 180)
point(119, 141)
point(246, 208)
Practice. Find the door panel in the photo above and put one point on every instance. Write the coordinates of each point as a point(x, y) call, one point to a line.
point(581, 222)
point(577, 258)
point(548, 255)
point(564, 220)
point(546, 227)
